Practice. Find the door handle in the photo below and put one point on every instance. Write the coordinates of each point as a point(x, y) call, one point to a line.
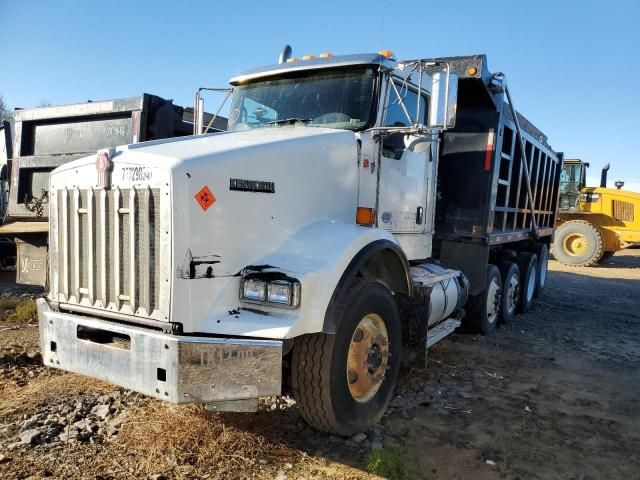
point(419, 215)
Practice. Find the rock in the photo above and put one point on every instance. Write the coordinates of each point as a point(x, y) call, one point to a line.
point(359, 437)
point(84, 424)
point(105, 399)
point(287, 466)
point(4, 458)
point(101, 411)
point(28, 424)
point(376, 445)
point(280, 475)
point(157, 476)
point(29, 437)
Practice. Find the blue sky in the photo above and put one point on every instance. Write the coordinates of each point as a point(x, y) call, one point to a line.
point(572, 65)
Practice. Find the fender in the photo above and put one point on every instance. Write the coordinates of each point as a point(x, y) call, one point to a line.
point(325, 256)
point(402, 284)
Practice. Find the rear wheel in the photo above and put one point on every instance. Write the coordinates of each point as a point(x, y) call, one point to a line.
point(484, 308)
point(542, 252)
point(344, 382)
point(528, 265)
point(578, 243)
point(510, 290)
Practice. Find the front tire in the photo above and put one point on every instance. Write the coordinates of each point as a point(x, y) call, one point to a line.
point(344, 382)
point(578, 243)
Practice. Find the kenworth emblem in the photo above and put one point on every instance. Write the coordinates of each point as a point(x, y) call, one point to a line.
point(103, 165)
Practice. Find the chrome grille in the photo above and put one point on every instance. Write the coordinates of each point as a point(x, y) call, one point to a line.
point(107, 250)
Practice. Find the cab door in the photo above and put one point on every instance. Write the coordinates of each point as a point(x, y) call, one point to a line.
point(403, 180)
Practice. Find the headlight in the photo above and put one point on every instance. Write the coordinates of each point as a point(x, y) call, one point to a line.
point(284, 293)
point(254, 290)
point(279, 292)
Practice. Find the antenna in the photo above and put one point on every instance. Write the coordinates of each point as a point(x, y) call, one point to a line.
point(286, 54)
point(384, 6)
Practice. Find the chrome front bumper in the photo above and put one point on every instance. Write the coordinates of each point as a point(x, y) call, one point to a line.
point(178, 369)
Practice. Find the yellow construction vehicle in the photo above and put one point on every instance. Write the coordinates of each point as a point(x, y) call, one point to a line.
point(593, 222)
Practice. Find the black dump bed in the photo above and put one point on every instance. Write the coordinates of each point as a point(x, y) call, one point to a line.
point(48, 137)
point(483, 195)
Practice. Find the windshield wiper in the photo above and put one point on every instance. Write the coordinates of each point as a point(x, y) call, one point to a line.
point(292, 120)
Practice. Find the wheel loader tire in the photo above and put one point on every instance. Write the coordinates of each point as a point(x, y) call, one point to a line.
point(542, 252)
point(484, 308)
point(528, 265)
point(343, 382)
point(578, 243)
point(510, 274)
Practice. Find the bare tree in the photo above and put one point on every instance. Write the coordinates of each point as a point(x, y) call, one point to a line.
point(5, 111)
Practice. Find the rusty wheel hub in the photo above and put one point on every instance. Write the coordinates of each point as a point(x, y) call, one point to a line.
point(368, 358)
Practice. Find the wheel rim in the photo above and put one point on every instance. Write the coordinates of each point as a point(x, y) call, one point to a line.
point(368, 358)
point(531, 283)
point(543, 265)
point(575, 244)
point(513, 291)
point(493, 299)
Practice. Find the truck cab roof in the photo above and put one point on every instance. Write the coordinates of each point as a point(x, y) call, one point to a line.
point(313, 64)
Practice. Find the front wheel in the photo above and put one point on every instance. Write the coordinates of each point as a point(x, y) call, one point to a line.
point(344, 382)
point(578, 243)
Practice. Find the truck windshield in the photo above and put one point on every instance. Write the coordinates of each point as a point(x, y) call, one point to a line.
point(334, 99)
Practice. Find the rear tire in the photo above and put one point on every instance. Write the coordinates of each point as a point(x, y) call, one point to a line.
point(578, 243)
point(484, 308)
point(510, 290)
point(542, 252)
point(344, 382)
point(528, 265)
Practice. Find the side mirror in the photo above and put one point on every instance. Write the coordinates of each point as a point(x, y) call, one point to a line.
point(444, 100)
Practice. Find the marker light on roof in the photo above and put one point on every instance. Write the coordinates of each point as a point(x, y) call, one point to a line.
point(292, 59)
point(386, 54)
point(308, 57)
point(326, 55)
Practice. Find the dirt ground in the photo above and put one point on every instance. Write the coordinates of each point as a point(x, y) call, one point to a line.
point(553, 395)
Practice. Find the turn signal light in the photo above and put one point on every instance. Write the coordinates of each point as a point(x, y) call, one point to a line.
point(365, 216)
point(327, 55)
point(386, 54)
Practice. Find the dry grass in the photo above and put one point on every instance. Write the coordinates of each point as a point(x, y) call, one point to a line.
point(19, 311)
point(46, 389)
point(164, 437)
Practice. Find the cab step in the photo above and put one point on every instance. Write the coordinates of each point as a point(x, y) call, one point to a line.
point(437, 333)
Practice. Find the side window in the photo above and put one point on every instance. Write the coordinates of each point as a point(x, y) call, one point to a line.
point(393, 144)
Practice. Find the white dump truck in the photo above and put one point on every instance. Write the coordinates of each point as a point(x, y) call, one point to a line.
point(353, 212)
